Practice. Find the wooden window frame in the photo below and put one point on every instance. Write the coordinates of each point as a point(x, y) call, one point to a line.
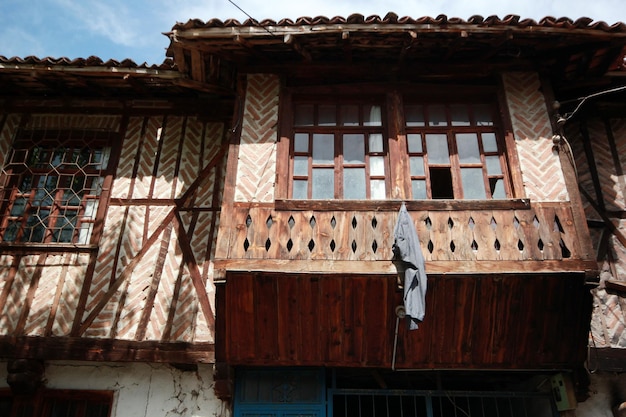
point(397, 165)
point(455, 164)
point(20, 165)
point(339, 165)
point(41, 402)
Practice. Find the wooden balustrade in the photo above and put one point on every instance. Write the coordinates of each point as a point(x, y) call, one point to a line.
point(543, 232)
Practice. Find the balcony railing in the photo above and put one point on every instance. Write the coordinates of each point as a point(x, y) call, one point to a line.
point(538, 233)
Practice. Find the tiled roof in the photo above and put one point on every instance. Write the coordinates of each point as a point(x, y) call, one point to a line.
point(392, 18)
point(92, 61)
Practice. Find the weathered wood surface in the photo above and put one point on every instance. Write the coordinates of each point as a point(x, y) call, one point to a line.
point(542, 232)
point(478, 321)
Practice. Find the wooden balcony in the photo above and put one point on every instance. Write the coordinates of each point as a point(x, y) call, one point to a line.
point(462, 237)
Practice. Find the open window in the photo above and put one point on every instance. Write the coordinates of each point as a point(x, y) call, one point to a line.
point(454, 151)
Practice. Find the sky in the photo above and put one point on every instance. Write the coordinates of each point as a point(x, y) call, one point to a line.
point(121, 29)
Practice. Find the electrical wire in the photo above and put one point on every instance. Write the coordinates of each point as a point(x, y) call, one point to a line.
point(251, 18)
point(584, 99)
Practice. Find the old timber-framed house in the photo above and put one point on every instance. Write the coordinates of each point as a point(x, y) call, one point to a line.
point(213, 235)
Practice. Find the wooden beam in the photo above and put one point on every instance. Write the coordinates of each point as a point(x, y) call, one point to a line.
point(127, 272)
point(196, 276)
point(394, 205)
point(105, 350)
point(291, 40)
point(388, 268)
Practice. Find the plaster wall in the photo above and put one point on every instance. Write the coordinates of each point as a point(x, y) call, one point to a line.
point(141, 389)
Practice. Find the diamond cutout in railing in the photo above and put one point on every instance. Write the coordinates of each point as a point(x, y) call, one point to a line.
point(557, 225)
point(291, 222)
point(333, 222)
point(354, 246)
point(269, 222)
point(471, 223)
point(289, 245)
point(428, 223)
point(332, 245)
point(374, 222)
point(374, 246)
point(246, 244)
point(268, 244)
point(452, 246)
point(474, 245)
point(496, 245)
point(520, 245)
point(311, 245)
point(493, 223)
point(450, 223)
point(312, 222)
point(430, 246)
point(540, 245)
point(565, 252)
point(354, 222)
point(536, 222)
point(248, 221)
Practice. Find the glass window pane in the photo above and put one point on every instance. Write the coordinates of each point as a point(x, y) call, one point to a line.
point(437, 115)
point(377, 166)
point(303, 115)
point(377, 189)
point(414, 115)
point(301, 166)
point(327, 115)
point(323, 183)
point(90, 208)
point(493, 165)
point(301, 142)
point(323, 148)
point(354, 183)
point(490, 144)
point(437, 149)
point(354, 149)
point(467, 146)
point(350, 115)
point(459, 115)
point(372, 116)
point(414, 142)
point(300, 188)
point(497, 188)
point(483, 113)
point(18, 207)
point(419, 189)
point(417, 166)
point(84, 234)
point(11, 231)
point(376, 143)
point(473, 185)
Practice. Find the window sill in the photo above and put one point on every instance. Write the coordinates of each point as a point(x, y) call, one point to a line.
point(28, 248)
point(394, 205)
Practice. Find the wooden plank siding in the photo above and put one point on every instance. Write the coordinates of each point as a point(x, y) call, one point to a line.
point(472, 322)
point(150, 277)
